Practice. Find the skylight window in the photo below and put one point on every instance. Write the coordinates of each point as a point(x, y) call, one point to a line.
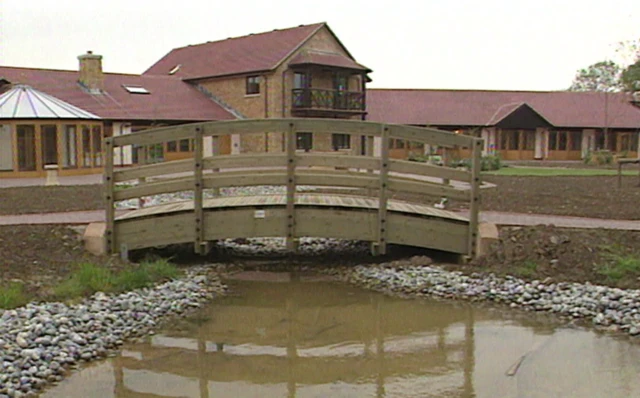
point(175, 69)
point(136, 89)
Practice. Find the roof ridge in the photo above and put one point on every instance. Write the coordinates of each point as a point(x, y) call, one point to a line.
point(27, 68)
point(249, 35)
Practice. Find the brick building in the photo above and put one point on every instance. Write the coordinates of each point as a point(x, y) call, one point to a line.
point(303, 71)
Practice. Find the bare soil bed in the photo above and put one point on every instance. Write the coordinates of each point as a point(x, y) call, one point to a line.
point(580, 196)
point(597, 256)
point(41, 255)
point(40, 199)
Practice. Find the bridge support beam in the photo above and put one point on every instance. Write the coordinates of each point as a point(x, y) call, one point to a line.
point(200, 246)
point(380, 247)
point(291, 189)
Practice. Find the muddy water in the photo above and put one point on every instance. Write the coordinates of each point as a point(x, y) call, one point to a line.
point(321, 339)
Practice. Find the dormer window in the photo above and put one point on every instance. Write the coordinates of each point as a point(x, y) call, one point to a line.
point(135, 89)
point(253, 85)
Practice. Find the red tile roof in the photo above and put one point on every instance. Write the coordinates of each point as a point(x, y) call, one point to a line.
point(170, 98)
point(325, 58)
point(482, 107)
point(252, 53)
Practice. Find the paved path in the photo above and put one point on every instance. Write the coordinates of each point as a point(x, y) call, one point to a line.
point(499, 218)
point(66, 180)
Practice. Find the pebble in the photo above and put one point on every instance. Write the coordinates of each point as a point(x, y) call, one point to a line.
point(610, 308)
point(40, 342)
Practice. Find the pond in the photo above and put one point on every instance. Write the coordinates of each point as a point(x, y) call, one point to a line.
point(283, 335)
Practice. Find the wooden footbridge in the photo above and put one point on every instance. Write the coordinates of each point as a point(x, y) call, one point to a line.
point(300, 210)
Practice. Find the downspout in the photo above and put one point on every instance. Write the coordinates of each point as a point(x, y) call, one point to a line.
point(266, 112)
point(284, 73)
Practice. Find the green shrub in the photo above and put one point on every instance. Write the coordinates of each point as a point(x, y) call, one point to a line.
point(618, 264)
point(13, 296)
point(487, 163)
point(599, 158)
point(89, 278)
point(85, 280)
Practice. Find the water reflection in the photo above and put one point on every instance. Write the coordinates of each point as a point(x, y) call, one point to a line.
point(317, 339)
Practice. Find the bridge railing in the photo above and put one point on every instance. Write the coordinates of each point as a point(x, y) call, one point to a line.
point(291, 168)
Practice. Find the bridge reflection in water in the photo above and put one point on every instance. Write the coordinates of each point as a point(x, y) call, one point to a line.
point(316, 340)
point(320, 339)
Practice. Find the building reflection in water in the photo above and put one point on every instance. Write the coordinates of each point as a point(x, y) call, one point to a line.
point(307, 337)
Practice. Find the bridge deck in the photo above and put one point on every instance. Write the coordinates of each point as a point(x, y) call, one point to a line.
point(305, 199)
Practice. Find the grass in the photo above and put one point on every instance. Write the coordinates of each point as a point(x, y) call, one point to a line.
point(89, 278)
point(13, 296)
point(618, 265)
point(557, 171)
point(527, 269)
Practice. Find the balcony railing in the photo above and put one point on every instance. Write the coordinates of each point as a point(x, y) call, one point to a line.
point(324, 99)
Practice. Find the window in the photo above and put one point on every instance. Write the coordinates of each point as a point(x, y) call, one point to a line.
point(575, 140)
point(553, 140)
point(304, 141)
point(253, 85)
point(69, 158)
point(300, 80)
point(86, 146)
point(172, 146)
point(135, 89)
point(529, 140)
point(26, 147)
point(96, 132)
point(340, 141)
point(49, 144)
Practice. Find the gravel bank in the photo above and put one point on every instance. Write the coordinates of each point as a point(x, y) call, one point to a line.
point(617, 310)
point(40, 342)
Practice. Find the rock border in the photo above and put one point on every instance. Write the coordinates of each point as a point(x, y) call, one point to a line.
point(41, 342)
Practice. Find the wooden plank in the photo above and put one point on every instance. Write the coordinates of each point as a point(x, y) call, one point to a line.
point(334, 160)
point(248, 161)
point(291, 188)
point(245, 179)
point(198, 187)
point(157, 135)
point(432, 233)
point(429, 136)
point(154, 170)
point(329, 179)
point(245, 223)
point(155, 231)
point(381, 228)
point(474, 207)
point(428, 189)
point(108, 183)
point(423, 169)
point(155, 188)
point(337, 223)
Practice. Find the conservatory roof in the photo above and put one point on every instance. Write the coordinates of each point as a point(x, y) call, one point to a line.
point(25, 102)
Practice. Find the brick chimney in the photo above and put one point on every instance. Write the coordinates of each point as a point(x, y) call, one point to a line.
point(91, 76)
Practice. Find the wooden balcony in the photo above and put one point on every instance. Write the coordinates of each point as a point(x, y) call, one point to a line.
point(326, 102)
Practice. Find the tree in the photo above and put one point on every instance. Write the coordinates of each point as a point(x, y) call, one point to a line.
point(630, 78)
point(601, 76)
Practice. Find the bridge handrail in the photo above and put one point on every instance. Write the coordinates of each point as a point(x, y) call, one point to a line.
point(293, 168)
point(311, 125)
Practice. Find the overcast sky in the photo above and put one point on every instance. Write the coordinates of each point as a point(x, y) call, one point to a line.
point(476, 44)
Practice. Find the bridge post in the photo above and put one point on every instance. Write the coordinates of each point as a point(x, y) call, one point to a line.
point(291, 189)
point(380, 246)
point(474, 207)
point(199, 243)
point(110, 241)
